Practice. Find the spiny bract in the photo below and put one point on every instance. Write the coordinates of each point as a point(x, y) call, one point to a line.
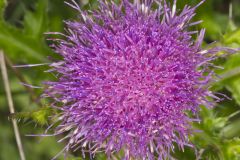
point(130, 72)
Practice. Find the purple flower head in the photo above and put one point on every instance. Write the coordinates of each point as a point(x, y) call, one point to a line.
point(129, 73)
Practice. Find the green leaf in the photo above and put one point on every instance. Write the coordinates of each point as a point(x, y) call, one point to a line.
point(230, 76)
point(39, 116)
point(231, 130)
point(234, 87)
point(3, 4)
point(16, 44)
point(232, 37)
point(26, 42)
point(232, 149)
point(35, 23)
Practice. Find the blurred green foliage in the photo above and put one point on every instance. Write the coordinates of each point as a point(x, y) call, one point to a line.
point(22, 27)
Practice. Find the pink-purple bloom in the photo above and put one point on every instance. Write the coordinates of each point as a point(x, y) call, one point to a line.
point(130, 74)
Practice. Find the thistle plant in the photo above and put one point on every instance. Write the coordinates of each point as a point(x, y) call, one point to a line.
point(131, 75)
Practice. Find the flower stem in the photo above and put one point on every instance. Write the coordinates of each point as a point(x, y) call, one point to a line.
point(10, 105)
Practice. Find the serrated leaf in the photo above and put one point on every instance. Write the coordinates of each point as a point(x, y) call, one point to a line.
point(16, 44)
point(39, 116)
point(27, 43)
point(230, 76)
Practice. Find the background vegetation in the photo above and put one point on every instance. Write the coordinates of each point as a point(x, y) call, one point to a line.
point(22, 27)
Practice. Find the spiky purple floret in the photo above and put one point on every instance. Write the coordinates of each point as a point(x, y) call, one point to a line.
point(129, 74)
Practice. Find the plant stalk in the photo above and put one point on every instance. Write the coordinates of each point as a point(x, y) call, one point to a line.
point(10, 105)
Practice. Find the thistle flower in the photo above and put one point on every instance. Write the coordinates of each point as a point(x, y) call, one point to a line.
point(129, 73)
